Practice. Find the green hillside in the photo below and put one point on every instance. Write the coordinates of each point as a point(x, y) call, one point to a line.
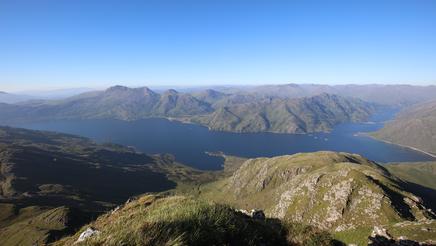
point(339, 192)
point(37, 225)
point(312, 114)
point(422, 173)
point(180, 220)
point(414, 127)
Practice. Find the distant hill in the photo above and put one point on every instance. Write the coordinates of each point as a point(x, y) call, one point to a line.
point(117, 102)
point(343, 193)
point(391, 95)
point(300, 115)
point(414, 127)
point(218, 111)
point(12, 98)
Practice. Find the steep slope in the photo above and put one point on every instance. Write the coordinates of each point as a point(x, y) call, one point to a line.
point(174, 104)
point(422, 173)
point(414, 127)
point(311, 114)
point(339, 192)
point(179, 220)
point(210, 96)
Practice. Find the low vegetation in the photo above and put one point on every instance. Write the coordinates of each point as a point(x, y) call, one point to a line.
point(345, 194)
point(180, 220)
point(52, 184)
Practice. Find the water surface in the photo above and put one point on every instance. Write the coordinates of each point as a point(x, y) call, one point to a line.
point(189, 143)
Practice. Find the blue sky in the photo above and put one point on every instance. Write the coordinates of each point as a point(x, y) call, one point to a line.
point(64, 44)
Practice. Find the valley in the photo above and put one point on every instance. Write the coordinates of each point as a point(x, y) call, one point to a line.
point(156, 136)
point(217, 123)
point(311, 163)
point(57, 177)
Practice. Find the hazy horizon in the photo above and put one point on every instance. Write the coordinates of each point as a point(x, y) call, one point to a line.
point(73, 90)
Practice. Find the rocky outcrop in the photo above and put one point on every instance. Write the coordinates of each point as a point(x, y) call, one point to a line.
point(381, 237)
point(88, 233)
point(332, 191)
point(254, 213)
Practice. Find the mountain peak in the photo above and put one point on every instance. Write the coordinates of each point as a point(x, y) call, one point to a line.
point(117, 88)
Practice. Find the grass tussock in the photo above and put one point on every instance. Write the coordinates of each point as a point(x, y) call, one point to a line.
point(180, 220)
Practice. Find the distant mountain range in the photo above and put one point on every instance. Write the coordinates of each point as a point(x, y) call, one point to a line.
point(414, 127)
point(217, 110)
point(391, 95)
point(300, 115)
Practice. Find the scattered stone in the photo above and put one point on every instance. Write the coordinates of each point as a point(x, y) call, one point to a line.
point(243, 211)
point(115, 209)
point(254, 213)
point(90, 232)
point(257, 214)
point(379, 236)
point(131, 199)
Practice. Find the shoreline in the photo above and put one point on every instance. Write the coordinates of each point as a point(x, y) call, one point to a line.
point(403, 146)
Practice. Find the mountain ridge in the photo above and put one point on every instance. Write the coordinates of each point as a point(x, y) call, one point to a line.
point(218, 111)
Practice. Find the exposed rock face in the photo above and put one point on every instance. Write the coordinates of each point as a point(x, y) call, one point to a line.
point(333, 191)
point(88, 233)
